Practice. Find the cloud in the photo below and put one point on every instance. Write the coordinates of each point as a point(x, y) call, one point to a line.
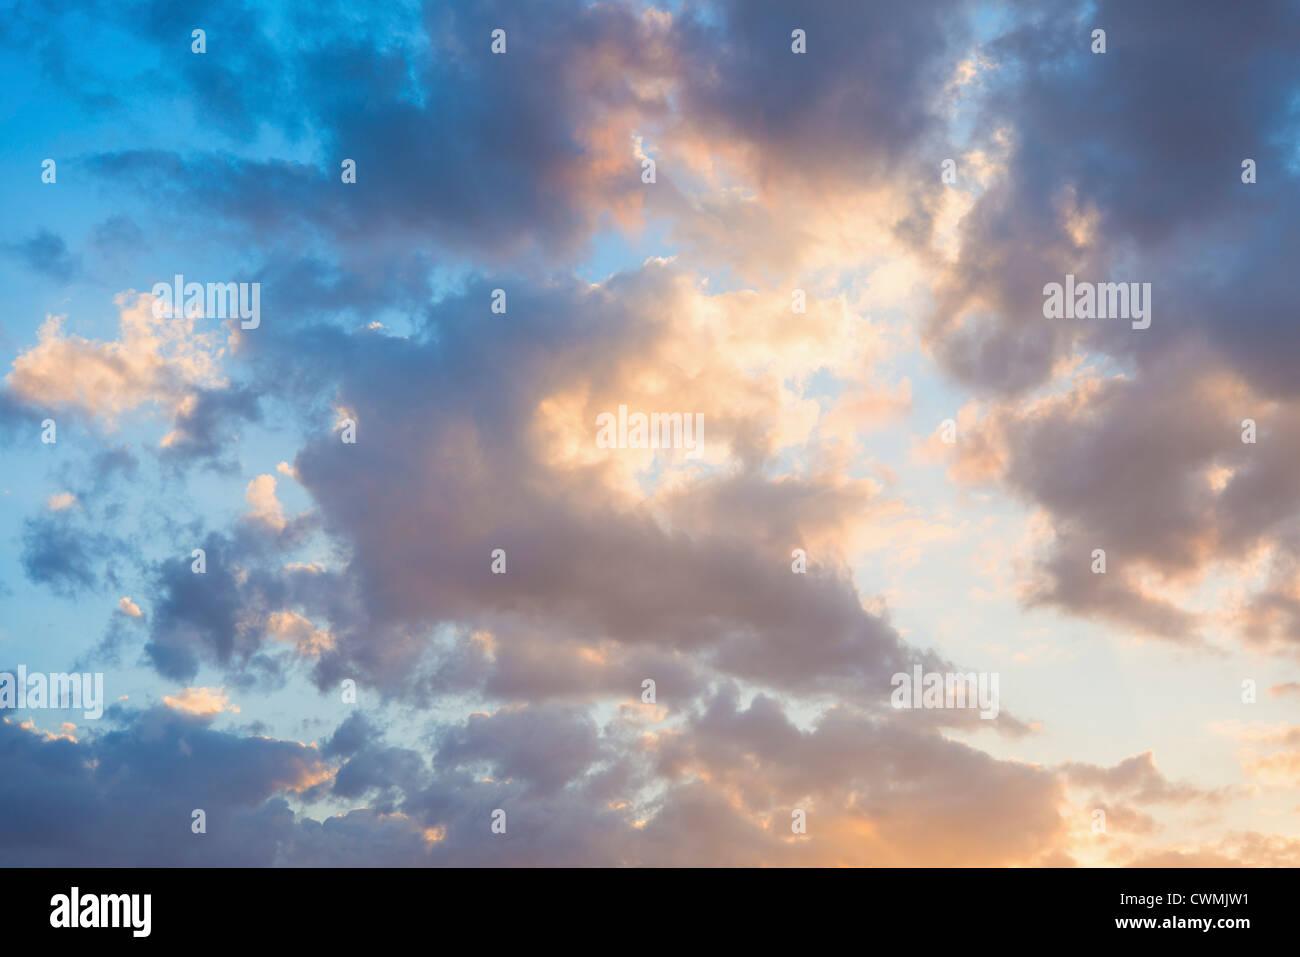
point(120, 798)
point(480, 439)
point(476, 432)
point(161, 362)
point(265, 507)
point(62, 555)
point(201, 702)
point(1167, 513)
point(1137, 778)
point(60, 500)
point(1269, 754)
point(1147, 464)
point(545, 747)
point(292, 627)
point(47, 254)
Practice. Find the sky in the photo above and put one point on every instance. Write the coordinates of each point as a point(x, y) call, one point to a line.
point(439, 620)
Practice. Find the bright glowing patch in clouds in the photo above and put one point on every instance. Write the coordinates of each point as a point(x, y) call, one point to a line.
point(204, 702)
